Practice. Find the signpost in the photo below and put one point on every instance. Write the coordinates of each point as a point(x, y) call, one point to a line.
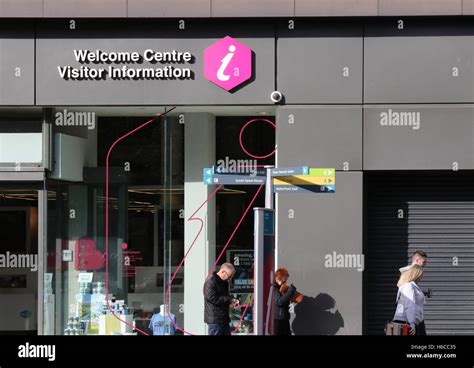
point(295, 179)
point(264, 248)
point(316, 181)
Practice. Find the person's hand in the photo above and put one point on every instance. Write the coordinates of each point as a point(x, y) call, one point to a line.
point(235, 303)
point(412, 330)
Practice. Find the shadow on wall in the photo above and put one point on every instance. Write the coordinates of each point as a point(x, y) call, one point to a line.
point(316, 316)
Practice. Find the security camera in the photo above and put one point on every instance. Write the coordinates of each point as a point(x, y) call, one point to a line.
point(276, 97)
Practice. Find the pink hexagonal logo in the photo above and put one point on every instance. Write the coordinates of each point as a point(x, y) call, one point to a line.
point(228, 63)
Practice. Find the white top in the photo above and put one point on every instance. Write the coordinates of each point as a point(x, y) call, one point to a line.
point(410, 304)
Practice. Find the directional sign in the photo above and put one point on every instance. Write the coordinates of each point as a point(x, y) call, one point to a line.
point(304, 189)
point(207, 176)
point(320, 180)
point(290, 171)
point(238, 180)
point(252, 171)
point(210, 178)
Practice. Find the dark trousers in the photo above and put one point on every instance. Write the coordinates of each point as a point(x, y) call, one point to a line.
point(219, 329)
point(420, 329)
point(281, 328)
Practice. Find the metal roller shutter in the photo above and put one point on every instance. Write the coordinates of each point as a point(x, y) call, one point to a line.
point(439, 219)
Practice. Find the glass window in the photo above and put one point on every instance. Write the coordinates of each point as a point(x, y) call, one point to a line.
point(147, 225)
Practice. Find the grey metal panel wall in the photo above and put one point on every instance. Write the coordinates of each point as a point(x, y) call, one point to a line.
point(252, 8)
point(439, 219)
point(21, 8)
point(320, 62)
point(55, 45)
point(426, 61)
point(333, 303)
point(468, 7)
point(328, 8)
point(444, 139)
point(320, 136)
point(420, 7)
point(169, 8)
point(230, 8)
point(17, 47)
point(85, 8)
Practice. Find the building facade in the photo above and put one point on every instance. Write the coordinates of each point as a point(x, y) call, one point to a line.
point(111, 110)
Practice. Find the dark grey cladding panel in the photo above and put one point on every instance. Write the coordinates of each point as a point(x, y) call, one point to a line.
point(17, 56)
point(426, 61)
point(85, 8)
point(320, 61)
point(56, 42)
point(418, 137)
point(310, 240)
point(169, 8)
point(320, 136)
point(252, 8)
point(21, 8)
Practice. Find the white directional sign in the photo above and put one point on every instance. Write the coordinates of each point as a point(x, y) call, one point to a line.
point(290, 171)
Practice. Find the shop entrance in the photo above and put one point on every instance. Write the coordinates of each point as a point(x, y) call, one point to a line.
point(19, 262)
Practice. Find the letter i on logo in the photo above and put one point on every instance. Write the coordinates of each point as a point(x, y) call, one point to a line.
point(224, 63)
point(228, 63)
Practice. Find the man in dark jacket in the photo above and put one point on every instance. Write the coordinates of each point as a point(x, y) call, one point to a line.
point(217, 300)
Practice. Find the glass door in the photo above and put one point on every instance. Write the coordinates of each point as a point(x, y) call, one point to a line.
point(20, 231)
point(81, 265)
point(122, 264)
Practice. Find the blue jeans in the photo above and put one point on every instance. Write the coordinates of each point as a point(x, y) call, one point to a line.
point(219, 329)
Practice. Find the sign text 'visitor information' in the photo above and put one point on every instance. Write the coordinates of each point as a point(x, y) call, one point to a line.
point(100, 65)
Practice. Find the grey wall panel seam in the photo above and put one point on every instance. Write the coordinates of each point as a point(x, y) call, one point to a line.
point(415, 103)
point(363, 90)
point(334, 103)
point(275, 53)
point(34, 60)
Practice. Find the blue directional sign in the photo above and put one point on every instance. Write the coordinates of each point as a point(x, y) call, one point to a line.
point(207, 176)
point(252, 171)
point(238, 180)
point(210, 178)
point(290, 171)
